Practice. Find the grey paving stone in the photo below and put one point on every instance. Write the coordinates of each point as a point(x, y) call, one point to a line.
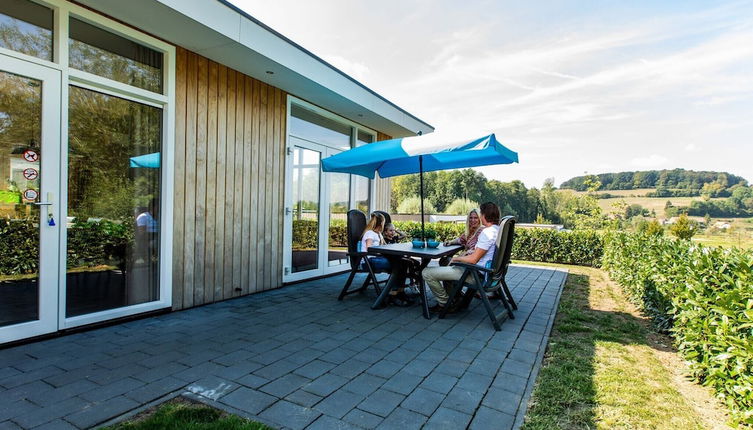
point(252, 381)
point(290, 415)
point(277, 369)
point(510, 382)
point(423, 401)
point(339, 403)
point(56, 425)
point(155, 389)
point(502, 400)
point(114, 389)
point(49, 397)
point(248, 400)
point(487, 418)
point(419, 368)
point(448, 419)
point(52, 412)
point(325, 384)
point(364, 384)
point(314, 369)
point(402, 355)
point(402, 383)
point(463, 400)
point(30, 377)
point(99, 412)
point(384, 369)
point(516, 367)
point(452, 367)
point(12, 409)
point(439, 382)
point(381, 402)
point(9, 425)
point(351, 368)
point(363, 419)
point(328, 423)
point(284, 385)
point(23, 391)
point(305, 356)
point(339, 355)
point(403, 419)
point(462, 354)
point(475, 382)
point(303, 398)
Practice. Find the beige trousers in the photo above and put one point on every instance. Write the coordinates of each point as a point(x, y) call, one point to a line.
point(434, 277)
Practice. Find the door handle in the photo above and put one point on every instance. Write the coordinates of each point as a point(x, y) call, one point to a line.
point(42, 203)
point(288, 211)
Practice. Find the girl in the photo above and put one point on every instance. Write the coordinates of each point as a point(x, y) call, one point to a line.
point(372, 236)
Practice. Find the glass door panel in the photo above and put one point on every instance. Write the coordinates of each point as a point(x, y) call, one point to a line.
point(339, 200)
point(305, 209)
point(113, 231)
point(29, 141)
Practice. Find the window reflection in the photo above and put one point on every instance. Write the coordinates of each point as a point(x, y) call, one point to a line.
point(313, 127)
point(305, 209)
point(111, 56)
point(113, 202)
point(363, 185)
point(26, 27)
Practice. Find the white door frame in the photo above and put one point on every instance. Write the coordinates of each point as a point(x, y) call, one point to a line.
point(323, 267)
point(49, 236)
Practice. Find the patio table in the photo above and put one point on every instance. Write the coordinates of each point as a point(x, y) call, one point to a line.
point(398, 250)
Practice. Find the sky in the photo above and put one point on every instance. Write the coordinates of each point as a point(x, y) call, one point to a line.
point(572, 86)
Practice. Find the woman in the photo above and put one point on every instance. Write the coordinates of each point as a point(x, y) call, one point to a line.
point(469, 238)
point(372, 236)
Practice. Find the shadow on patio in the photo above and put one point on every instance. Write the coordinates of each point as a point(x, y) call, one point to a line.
point(295, 357)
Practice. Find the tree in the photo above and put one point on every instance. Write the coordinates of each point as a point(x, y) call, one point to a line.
point(683, 228)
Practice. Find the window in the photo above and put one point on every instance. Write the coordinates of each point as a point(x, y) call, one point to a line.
point(105, 54)
point(313, 127)
point(363, 185)
point(26, 27)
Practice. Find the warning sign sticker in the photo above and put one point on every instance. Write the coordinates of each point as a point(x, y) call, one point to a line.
point(30, 174)
point(31, 155)
point(30, 194)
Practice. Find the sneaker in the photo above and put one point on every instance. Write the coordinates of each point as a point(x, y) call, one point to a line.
point(436, 308)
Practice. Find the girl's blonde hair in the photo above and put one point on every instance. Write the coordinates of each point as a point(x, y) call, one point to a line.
point(376, 223)
point(468, 222)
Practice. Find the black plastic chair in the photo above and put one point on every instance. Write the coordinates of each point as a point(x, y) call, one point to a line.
point(489, 280)
point(355, 226)
point(386, 216)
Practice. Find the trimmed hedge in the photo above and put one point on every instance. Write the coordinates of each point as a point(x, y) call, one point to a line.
point(89, 244)
point(704, 296)
point(583, 248)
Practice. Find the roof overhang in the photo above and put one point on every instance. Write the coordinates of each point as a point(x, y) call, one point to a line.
point(223, 33)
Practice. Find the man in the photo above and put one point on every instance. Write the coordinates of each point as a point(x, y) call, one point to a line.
point(483, 254)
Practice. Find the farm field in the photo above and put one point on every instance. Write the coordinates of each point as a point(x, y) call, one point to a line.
point(638, 196)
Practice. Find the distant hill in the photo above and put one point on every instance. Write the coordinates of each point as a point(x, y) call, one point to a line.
point(668, 183)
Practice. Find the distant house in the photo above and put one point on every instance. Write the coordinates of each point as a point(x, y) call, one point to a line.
point(722, 225)
point(194, 134)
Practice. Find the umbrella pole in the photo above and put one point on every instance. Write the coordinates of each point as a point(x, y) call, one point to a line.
point(421, 176)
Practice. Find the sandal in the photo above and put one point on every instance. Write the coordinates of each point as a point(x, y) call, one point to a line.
point(401, 300)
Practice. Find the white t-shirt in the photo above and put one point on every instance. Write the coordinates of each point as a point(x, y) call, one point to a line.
point(487, 240)
point(145, 219)
point(375, 237)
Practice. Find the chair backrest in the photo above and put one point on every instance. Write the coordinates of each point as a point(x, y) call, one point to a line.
point(503, 253)
point(356, 224)
point(387, 217)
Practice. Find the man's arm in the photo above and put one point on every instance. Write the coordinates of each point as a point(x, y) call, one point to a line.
point(471, 258)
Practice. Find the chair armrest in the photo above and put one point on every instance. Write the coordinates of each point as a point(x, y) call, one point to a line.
point(471, 266)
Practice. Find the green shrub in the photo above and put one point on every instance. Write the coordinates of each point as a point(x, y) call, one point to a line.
point(583, 248)
point(89, 244)
point(704, 295)
point(412, 205)
point(460, 207)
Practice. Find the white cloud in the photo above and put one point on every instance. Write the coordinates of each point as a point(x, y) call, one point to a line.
point(653, 160)
point(357, 70)
point(692, 147)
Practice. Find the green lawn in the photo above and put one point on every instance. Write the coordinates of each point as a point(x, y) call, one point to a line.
point(181, 414)
point(604, 368)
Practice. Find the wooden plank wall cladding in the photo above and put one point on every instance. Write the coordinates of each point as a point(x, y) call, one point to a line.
point(229, 183)
point(382, 187)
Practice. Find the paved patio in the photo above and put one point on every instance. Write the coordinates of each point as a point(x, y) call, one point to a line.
point(294, 358)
